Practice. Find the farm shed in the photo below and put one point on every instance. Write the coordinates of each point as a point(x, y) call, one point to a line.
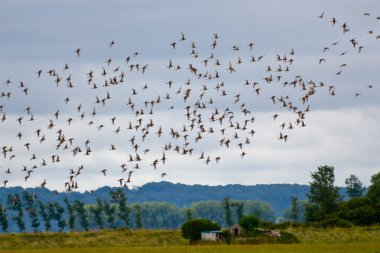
point(236, 230)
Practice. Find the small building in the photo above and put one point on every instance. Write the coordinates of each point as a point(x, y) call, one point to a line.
point(236, 230)
point(215, 235)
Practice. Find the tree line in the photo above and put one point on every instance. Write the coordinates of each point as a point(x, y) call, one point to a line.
point(25, 212)
point(325, 206)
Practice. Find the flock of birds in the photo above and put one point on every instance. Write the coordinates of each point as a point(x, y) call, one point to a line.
point(214, 110)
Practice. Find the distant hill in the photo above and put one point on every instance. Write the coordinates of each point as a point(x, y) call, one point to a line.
point(277, 195)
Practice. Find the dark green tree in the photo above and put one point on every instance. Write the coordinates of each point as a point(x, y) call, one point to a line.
point(82, 213)
point(161, 215)
point(50, 211)
point(139, 222)
point(209, 210)
point(373, 193)
point(59, 212)
point(97, 211)
point(294, 209)
point(192, 229)
point(189, 214)
point(354, 187)
point(249, 222)
point(31, 210)
point(118, 197)
point(71, 210)
point(227, 211)
point(44, 215)
point(3, 218)
point(323, 196)
point(110, 211)
point(15, 204)
point(359, 211)
point(239, 206)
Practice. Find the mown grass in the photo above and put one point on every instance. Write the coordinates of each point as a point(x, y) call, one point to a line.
point(356, 239)
point(272, 248)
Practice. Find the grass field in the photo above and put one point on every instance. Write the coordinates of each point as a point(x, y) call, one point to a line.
point(337, 235)
point(334, 240)
point(292, 248)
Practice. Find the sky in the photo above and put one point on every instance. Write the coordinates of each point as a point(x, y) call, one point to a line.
point(341, 129)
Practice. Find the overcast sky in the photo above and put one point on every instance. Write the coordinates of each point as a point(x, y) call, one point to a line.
point(341, 130)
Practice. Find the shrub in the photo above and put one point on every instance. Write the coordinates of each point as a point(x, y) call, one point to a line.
point(287, 237)
point(227, 235)
point(336, 222)
point(192, 229)
point(259, 237)
point(362, 216)
point(249, 223)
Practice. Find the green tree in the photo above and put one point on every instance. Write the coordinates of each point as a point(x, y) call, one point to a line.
point(294, 209)
point(323, 196)
point(189, 214)
point(59, 211)
point(192, 229)
point(50, 211)
point(249, 222)
point(82, 213)
point(119, 198)
point(209, 210)
point(359, 211)
point(161, 215)
point(227, 211)
point(373, 193)
point(31, 209)
point(110, 211)
point(71, 210)
point(3, 218)
point(139, 222)
point(354, 187)
point(239, 205)
point(262, 210)
point(295, 212)
point(15, 204)
point(97, 211)
point(44, 215)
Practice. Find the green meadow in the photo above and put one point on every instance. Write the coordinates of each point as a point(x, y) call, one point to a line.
point(356, 239)
point(293, 248)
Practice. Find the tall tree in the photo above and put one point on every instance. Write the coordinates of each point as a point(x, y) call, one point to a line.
point(44, 215)
point(189, 214)
point(118, 197)
point(227, 211)
point(15, 204)
point(3, 218)
point(294, 209)
point(354, 187)
point(59, 211)
point(97, 211)
point(239, 206)
point(31, 209)
point(139, 222)
point(82, 213)
point(51, 211)
point(323, 196)
point(110, 211)
point(71, 210)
